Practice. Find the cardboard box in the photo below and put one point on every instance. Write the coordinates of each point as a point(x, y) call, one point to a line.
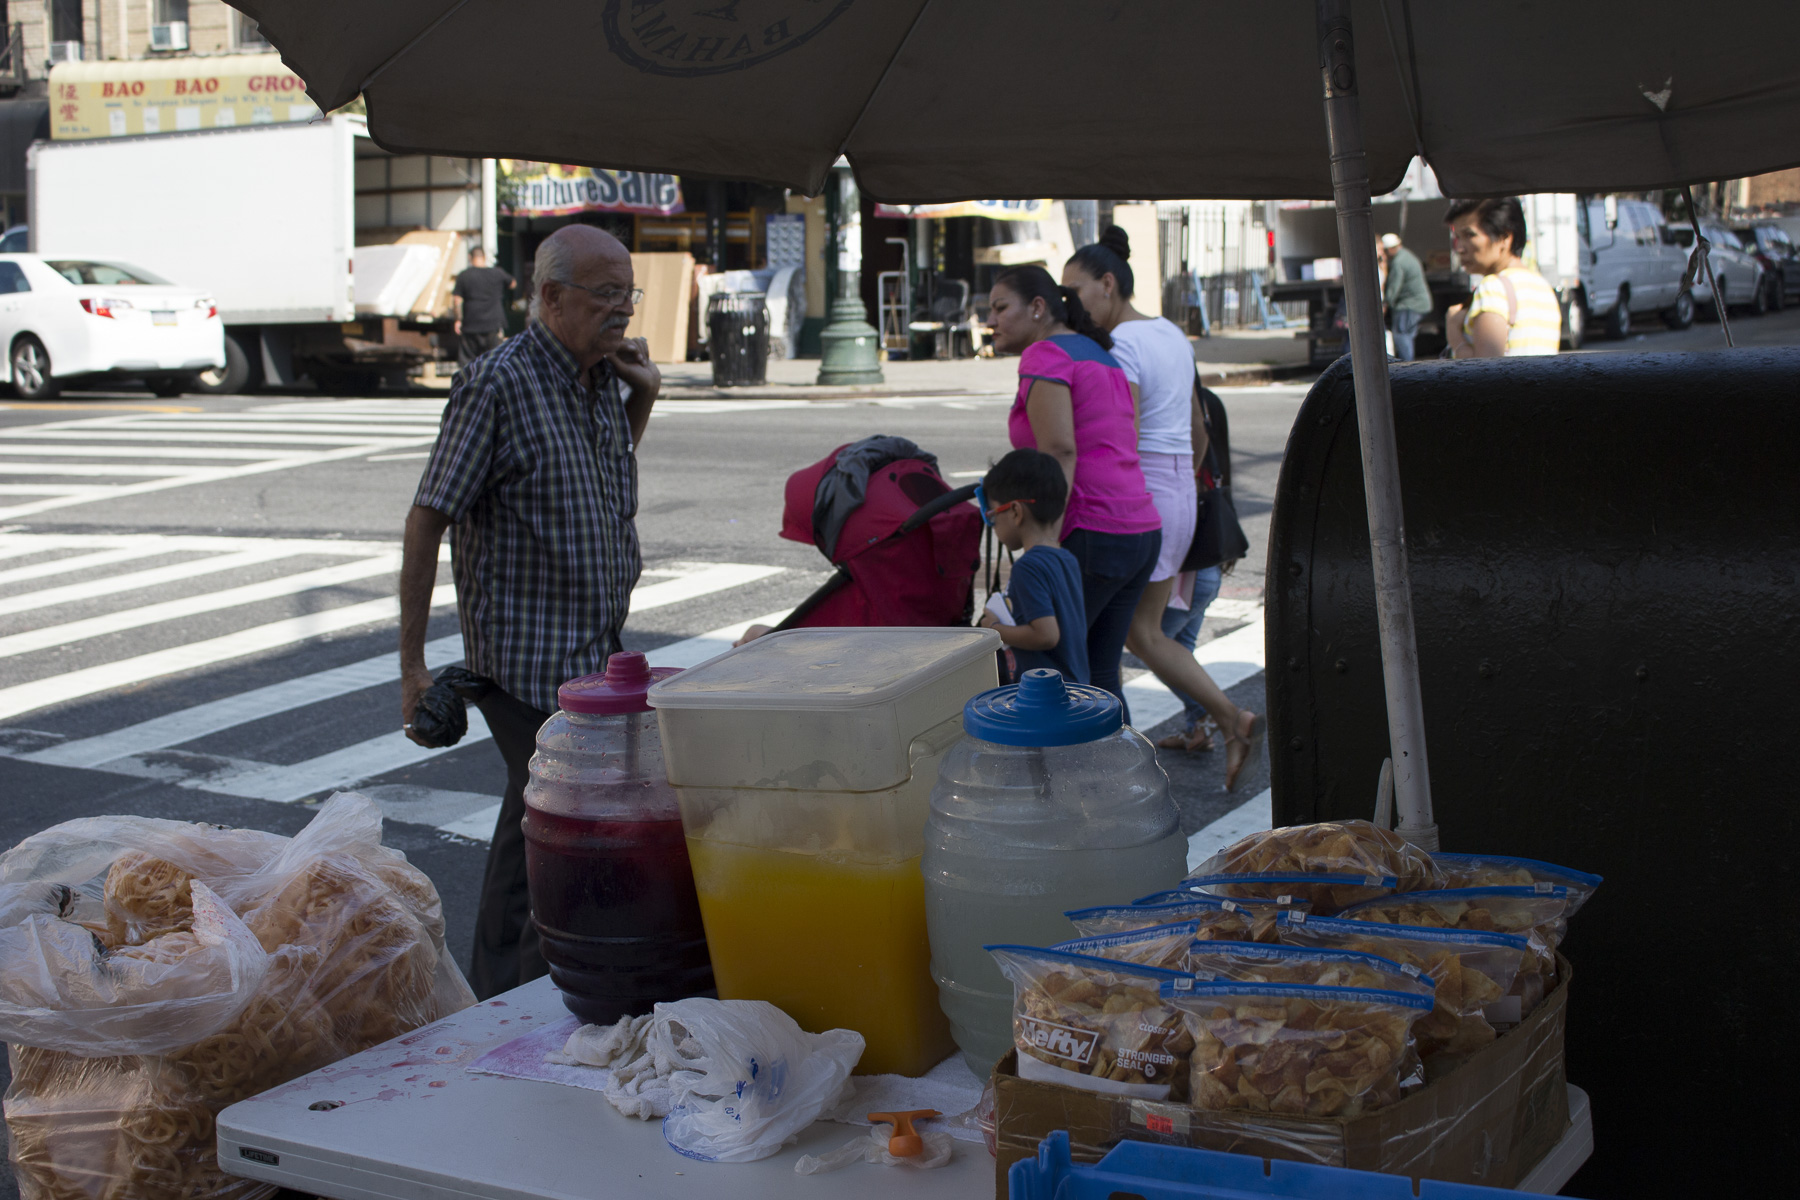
point(1487, 1122)
point(668, 283)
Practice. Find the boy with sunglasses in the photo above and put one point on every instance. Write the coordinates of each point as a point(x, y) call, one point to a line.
point(1023, 497)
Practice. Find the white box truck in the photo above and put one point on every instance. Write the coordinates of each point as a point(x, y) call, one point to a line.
point(274, 220)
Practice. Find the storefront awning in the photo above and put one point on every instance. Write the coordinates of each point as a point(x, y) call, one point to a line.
point(993, 210)
point(534, 189)
point(124, 97)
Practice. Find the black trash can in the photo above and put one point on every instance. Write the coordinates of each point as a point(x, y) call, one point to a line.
point(737, 331)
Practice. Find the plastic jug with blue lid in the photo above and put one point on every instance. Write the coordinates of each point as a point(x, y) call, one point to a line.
point(1049, 802)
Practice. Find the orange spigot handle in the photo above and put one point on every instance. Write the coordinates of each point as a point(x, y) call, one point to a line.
point(906, 1142)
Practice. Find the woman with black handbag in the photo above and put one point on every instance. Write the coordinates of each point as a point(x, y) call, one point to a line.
point(1158, 362)
point(1219, 542)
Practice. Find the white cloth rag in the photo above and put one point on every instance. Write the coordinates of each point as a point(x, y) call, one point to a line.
point(638, 1086)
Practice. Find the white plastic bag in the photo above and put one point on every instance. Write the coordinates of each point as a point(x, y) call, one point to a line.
point(745, 1078)
point(62, 990)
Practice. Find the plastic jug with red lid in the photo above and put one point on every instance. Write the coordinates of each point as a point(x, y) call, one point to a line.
point(612, 894)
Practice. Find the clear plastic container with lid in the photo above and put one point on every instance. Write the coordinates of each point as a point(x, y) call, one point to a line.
point(804, 761)
point(612, 894)
point(1049, 803)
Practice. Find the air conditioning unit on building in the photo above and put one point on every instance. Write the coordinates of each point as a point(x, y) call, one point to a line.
point(172, 36)
point(61, 52)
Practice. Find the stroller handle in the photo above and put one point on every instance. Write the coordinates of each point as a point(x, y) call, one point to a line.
point(932, 508)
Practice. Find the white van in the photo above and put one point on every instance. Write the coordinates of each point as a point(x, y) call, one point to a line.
point(1631, 263)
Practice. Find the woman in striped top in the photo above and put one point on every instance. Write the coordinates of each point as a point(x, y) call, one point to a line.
point(1513, 311)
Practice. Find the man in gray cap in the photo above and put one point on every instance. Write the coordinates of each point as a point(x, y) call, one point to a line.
point(1408, 298)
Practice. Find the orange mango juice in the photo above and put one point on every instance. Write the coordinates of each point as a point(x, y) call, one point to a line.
point(834, 944)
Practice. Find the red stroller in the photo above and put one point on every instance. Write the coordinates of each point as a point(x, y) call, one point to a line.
point(906, 545)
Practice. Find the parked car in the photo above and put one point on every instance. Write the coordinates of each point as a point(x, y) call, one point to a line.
point(16, 240)
point(67, 317)
point(1779, 257)
point(1630, 264)
point(1740, 275)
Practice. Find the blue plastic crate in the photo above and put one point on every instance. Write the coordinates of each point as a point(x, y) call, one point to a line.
point(1172, 1173)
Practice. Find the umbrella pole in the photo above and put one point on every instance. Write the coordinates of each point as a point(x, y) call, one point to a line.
point(1375, 426)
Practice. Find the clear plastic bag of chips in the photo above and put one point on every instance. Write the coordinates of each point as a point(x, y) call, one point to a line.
point(1318, 966)
point(1537, 912)
point(1330, 865)
point(1164, 946)
point(1495, 870)
point(1095, 1023)
point(191, 967)
point(1297, 1049)
point(1470, 971)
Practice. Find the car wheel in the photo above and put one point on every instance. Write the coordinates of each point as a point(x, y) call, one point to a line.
point(1680, 314)
point(1577, 324)
point(1759, 301)
point(1618, 321)
point(228, 379)
point(168, 386)
point(31, 370)
point(1777, 293)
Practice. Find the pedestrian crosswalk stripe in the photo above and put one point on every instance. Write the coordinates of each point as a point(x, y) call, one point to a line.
point(20, 442)
point(191, 724)
point(157, 451)
point(279, 438)
point(169, 610)
point(79, 562)
point(287, 782)
point(73, 470)
point(94, 588)
point(24, 697)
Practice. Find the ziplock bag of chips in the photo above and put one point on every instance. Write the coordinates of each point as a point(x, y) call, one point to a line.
point(1495, 870)
point(1095, 1024)
point(1470, 970)
point(1296, 1049)
point(1318, 891)
point(1536, 912)
point(1164, 946)
point(1319, 966)
point(1345, 848)
point(1121, 918)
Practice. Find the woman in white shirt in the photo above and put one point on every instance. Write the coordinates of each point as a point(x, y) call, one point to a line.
point(1159, 364)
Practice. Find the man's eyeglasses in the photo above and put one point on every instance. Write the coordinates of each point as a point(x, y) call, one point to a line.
point(610, 295)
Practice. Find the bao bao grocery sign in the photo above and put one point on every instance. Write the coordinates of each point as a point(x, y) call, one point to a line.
point(557, 189)
point(120, 99)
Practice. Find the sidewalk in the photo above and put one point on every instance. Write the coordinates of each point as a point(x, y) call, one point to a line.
point(1237, 357)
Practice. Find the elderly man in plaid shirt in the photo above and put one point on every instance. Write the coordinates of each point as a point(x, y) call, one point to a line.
point(534, 470)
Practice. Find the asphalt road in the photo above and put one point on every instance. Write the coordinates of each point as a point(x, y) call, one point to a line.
point(196, 595)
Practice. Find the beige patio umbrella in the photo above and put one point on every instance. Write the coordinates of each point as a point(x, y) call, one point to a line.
point(936, 100)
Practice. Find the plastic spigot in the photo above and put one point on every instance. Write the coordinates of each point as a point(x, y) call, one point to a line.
point(905, 1142)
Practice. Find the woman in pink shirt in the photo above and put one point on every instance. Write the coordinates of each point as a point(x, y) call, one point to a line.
point(1075, 405)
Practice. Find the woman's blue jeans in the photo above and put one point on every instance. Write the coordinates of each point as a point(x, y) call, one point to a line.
point(1114, 569)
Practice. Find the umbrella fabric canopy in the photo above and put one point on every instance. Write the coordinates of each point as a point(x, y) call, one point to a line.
point(937, 101)
point(1001, 99)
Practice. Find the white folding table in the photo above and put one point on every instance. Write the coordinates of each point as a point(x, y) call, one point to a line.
point(408, 1121)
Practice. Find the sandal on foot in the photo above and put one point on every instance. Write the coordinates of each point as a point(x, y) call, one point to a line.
point(1241, 746)
point(1194, 741)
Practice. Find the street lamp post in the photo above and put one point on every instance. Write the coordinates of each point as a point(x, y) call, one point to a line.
point(848, 345)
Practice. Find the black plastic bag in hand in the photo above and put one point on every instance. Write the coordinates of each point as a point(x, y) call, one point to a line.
point(442, 716)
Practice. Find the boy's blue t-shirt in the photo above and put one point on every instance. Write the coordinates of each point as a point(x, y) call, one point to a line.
point(1046, 582)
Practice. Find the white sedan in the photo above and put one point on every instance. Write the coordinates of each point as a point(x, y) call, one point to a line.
point(65, 317)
